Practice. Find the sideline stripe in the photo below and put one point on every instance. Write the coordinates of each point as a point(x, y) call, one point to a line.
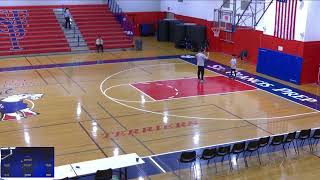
point(87, 63)
point(157, 165)
point(275, 85)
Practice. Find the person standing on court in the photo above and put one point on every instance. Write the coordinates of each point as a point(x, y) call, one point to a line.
point(233, 65)
point(201, 59)
point(67, 18)
point(99, 44)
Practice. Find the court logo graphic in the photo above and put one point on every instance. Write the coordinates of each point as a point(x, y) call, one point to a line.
point(17, 107)
point(13, 23)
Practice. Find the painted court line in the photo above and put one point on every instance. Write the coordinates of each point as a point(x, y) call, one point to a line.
point(157, 164)
point(204, 95)
point(192, 87)
point(222, 144)
point(84, 63)
point(142, 92)
point(172, 79)
point(181, 116)
point(257, 88)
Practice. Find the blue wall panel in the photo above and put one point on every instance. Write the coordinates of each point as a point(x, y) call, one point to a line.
point(280, 65)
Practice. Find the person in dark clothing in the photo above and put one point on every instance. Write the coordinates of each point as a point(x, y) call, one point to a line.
point(99, 43)
point(201, 59)
point(67, 18)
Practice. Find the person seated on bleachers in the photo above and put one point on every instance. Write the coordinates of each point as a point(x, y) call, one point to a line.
point(99, 44)
point(67, 18)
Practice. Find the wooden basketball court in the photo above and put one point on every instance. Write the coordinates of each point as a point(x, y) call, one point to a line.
point(92, 111)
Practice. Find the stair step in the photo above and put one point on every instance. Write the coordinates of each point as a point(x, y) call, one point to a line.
point(30, 42)
point(39, 36)
point(37, 46)
point(79, 48)
point(104, 34)
point(92, 19)
point(113, 46)
point(72, 35)
point(35, 51)
point(102, 25)
point(97, 23)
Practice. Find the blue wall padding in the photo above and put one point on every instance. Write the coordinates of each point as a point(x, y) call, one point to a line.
point(280, 65)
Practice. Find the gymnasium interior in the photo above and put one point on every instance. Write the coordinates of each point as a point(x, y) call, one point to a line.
point(110, 89)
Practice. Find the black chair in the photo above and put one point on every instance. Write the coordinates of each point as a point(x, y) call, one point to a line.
point(237, 149)
point(263, 142)
point(207, 155)
point(188, 157)
point(316, 138)
point(103, 174)
point(288, 140)
point(277, 141)
point(243, 54)
point(253, 146)
point(303, 136)
point(224, 151)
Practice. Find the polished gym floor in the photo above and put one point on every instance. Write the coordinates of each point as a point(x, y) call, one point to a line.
point(149, 102)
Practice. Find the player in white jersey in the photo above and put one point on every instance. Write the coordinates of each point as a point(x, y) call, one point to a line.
point(233, 65)
point(201, 59)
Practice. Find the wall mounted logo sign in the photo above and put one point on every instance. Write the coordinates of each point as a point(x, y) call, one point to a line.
point(17, 107)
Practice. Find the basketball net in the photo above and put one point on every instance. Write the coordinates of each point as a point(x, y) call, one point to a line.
point(216, 31)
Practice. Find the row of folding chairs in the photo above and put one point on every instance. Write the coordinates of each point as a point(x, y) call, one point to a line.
point(249, 147)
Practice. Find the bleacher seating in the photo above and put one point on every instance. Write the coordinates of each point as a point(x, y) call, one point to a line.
point(30, 30)
point(94, 20)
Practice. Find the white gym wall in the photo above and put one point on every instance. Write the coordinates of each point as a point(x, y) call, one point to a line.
point(139, 5)
point(202, 9)
point(48, 2)
point(312, 32)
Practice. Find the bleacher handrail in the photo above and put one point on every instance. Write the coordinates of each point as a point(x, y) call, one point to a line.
point(121, 17)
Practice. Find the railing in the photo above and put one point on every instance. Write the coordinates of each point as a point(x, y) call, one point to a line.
point(75, 33)
point(122, 18)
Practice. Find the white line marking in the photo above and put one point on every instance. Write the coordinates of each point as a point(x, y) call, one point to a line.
point(259, 88)
point(157, 164)
point(222, 144)
point(142, 92)
point(188, 117)
point(178, 78)
point(193, 117)
point(177, 98)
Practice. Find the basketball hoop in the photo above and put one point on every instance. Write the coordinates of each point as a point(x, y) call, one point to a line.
point(216, 31)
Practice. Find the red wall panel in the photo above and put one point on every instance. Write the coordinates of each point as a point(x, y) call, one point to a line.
point(247, 39)
point(289, 46)
point(250, 40)
point(311, 62)
point(144, 18)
